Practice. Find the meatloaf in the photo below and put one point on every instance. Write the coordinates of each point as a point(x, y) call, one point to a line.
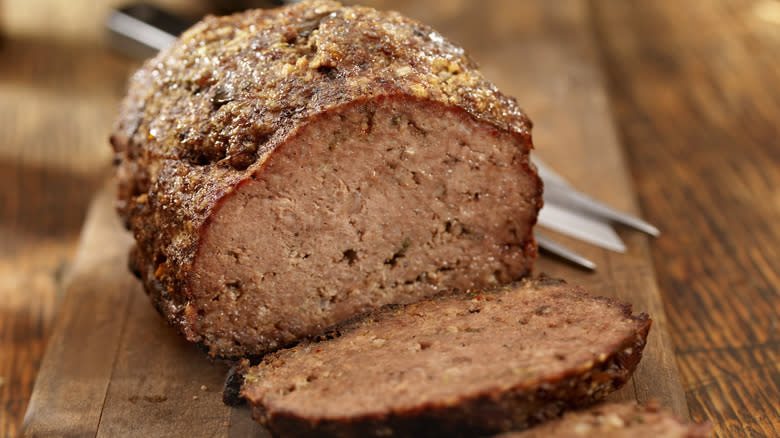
point(459, 364)
point(282, 170)
point(617, 420)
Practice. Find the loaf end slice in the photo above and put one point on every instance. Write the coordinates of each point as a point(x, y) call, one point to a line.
point(460, 364)
point(617, 420)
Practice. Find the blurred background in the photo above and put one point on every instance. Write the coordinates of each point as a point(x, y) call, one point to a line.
point(693, 89)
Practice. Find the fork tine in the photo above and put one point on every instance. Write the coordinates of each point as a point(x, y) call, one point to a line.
point(565, 253)
point(557, 189)
point(583, 202)
point(581, 226)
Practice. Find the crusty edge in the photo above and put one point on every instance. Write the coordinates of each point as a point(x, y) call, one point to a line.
point(231, 391)
point(633, 415)
point(695, 429)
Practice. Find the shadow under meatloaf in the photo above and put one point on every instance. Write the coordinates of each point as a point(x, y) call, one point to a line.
point(459, 364)
point(382, 201)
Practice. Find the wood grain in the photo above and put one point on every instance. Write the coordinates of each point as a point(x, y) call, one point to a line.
point(698, 104)
point(54, 107)
point(77, 368)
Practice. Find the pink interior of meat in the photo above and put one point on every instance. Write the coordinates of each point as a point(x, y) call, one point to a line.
point(444, 351)
point(382, 202)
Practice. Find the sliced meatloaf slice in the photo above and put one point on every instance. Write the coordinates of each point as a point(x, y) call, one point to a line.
point(617, 420)
point(286, 169)
point(460, 364)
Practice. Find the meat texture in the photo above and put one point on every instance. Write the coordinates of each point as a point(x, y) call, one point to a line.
point(459, 364)
point(617, 420)
point(282, 170)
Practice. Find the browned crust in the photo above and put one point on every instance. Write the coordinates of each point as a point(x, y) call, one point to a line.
point(206, 113)
point(631, 418)
point(517, 408)
point(231, 390)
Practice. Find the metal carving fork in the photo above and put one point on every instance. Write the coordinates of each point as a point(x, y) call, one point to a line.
point(576, 214)
point(142, 30)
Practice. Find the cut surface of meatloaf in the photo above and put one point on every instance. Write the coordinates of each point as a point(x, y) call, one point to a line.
point(457, 364)
point(617, 420)
point(283, 170)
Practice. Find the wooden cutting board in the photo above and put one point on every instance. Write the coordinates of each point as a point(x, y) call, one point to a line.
point(114, 368)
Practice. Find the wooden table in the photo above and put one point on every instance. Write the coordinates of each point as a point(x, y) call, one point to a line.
point(694, 91)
